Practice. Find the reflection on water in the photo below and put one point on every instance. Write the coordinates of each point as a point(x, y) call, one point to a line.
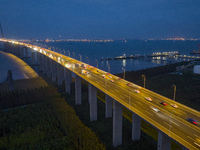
point(124, 62)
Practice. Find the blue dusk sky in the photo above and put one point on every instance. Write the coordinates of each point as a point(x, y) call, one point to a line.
point(100, 19)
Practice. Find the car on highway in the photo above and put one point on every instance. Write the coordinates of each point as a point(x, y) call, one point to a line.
point(174, 105)
point(129, 84)
point(98, 71)
point(137, 91)
point(148, 98)
point(112, 81)
point(119, 78)
point(193, 121)
point(163, 103)
point(110, 76)
point(154, 109)
point(104, 76)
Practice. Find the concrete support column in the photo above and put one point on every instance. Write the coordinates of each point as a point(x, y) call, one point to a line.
point(67, 78)
point(108, 106)
point(49, 67)
point(23, 52)
point(117, 123)
point(54, 70)
point(60, 73)
point(33, 58)
point(41, 62)
point(78, 89)
point(136, 125)
point(38, 57)
point(93, 102)
point(18, 50)
point(26, 51)
point(164, 142)
point(44, 64)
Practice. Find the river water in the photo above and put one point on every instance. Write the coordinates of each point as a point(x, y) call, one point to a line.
point(92, 52)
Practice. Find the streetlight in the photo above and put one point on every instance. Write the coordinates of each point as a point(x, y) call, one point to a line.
point(174, 92)
point(108, 68)
point(87, 60)
point(64, 51)
point(124, 73)
point(68, 53)
point(97, 62)
point(74, 55)
point(144, 79)
point(80, 57)
point(60, 51)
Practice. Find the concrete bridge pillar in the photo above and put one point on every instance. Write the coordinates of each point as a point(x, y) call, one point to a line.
point(26, 52)
point(60, 73)
point(68, 79)
point(33, 58)
point(164, 142)
point(78, 89)
point(93, 102)
point(44, 64)
point(38, 57)
point(49, 71)
point(117, 123)
point(54, 70)
point(41, 62)
point(22, 52)
point(108, 106)
point(136, 125)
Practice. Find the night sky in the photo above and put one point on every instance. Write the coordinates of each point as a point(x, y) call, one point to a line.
point(100, 19)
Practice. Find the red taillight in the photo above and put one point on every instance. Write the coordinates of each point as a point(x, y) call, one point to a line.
point(194, 122)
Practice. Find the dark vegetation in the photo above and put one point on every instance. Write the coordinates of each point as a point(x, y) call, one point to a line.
point(46, 122)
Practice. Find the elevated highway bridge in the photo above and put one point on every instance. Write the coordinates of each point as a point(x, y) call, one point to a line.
point(170, 121)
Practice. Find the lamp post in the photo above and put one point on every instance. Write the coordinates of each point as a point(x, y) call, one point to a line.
point(108, 68)
point(68, 53)
point(124, 73)
point(64, 51)
point(144, 79)
point(80, 57)
point(174, 92)
point(74, 55)
point(87, 60)
point(97, 63)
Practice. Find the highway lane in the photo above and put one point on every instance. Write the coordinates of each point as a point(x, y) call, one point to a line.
point(168, 121)
point(171, 122)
